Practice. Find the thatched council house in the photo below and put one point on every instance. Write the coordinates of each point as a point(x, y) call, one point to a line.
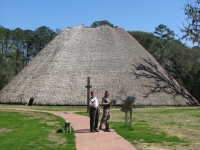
point(113, 60)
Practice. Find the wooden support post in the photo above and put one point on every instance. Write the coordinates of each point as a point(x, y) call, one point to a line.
point(88, 92)
point(126, 116)
point(131, 116)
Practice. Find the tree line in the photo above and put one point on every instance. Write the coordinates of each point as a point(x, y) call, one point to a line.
point(18, 47)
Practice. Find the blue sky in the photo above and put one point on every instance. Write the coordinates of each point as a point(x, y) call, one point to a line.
point(133, 15)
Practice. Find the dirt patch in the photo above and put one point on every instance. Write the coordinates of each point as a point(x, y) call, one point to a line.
point(40, 115)
point(147, 146)
point(156, 148)
point(55, 123)
point(56, 139)
point(4, 130)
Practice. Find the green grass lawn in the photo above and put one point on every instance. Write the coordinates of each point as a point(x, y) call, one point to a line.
point(157, 128)
point(20, 130)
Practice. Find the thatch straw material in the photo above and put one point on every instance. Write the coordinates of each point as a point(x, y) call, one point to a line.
point(113, 60)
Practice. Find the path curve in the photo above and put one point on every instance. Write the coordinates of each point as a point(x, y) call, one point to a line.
point(85, 140)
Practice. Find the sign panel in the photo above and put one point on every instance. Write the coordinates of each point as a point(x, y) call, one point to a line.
point(128, 103)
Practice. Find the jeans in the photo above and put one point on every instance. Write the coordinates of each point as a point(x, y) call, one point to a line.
point(94, 118)
point(105, 118)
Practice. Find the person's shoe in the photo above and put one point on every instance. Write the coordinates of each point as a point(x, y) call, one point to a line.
point(96, 130)
point(107, 128)
point(100, 128)
point(92, 131)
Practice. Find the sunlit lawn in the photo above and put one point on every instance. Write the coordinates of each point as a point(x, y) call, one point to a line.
point(153, 127)
point(25, 130)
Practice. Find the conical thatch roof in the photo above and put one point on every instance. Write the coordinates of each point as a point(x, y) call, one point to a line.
point(113, 60)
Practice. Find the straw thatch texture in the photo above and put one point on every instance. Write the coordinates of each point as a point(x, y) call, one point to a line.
point(113, 60)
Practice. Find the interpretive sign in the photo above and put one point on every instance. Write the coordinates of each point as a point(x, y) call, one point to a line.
point(128, 104)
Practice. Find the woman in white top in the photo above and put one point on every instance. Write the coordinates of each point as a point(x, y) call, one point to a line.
point(94, 113)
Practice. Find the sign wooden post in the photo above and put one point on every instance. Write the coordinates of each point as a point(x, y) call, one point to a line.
point(126, 116)
point(88, 86)
point(131, 118)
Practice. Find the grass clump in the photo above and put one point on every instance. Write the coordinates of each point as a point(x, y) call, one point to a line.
point(83, 113)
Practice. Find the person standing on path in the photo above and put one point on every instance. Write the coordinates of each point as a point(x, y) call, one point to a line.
point(94, 113)
point(106, 103)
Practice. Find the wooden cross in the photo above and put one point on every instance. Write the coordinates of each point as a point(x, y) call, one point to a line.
point(88, 86)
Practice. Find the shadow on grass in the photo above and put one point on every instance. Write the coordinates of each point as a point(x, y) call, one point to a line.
point(59, 131)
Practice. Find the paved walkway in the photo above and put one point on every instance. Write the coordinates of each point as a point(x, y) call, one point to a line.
point(85, 140)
